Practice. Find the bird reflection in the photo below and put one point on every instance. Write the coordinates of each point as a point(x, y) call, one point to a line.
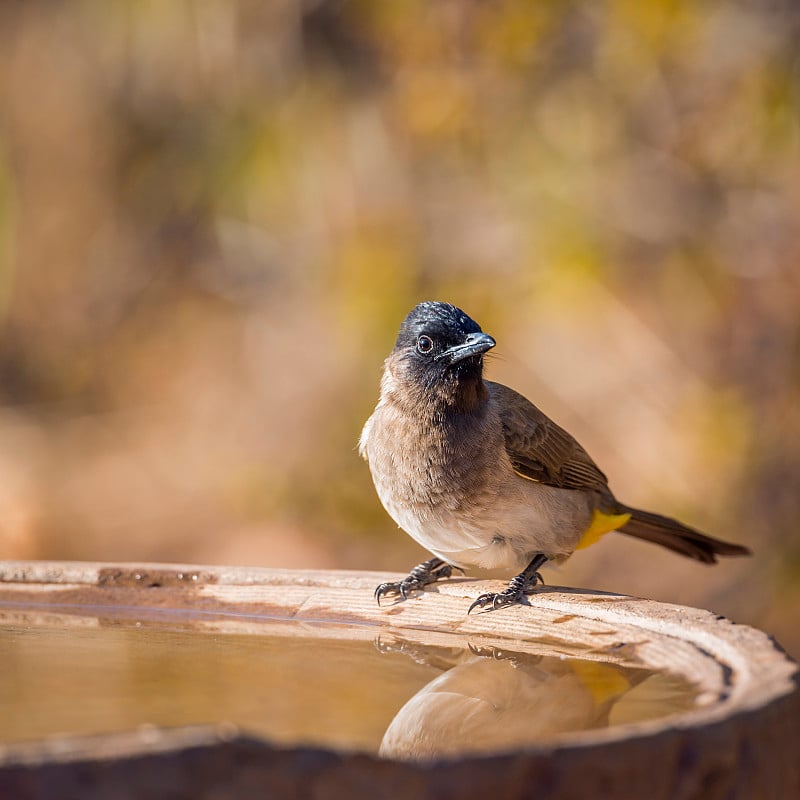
point(492, 701)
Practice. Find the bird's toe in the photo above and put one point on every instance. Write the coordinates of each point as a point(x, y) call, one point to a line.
point(384, 589)
point(496, 600)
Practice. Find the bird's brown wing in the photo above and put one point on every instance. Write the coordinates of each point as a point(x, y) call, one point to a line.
point(539, 449)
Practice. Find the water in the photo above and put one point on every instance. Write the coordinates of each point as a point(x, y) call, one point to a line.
point(292, 683)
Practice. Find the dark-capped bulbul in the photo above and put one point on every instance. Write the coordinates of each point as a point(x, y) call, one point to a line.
point(479, 476)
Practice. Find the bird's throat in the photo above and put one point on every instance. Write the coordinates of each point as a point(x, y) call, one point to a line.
point(455, 395)
point(459, 390)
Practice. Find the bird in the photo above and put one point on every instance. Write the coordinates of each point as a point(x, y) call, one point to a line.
point(480, 477)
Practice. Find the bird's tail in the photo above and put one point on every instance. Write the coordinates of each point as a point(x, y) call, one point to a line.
point(675, 536)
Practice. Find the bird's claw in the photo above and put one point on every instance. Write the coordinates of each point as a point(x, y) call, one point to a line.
point(417, 579)
point(496, 600)
point(517, 587)
point(401, 588)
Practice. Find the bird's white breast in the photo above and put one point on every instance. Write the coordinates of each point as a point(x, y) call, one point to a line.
point(469, 509)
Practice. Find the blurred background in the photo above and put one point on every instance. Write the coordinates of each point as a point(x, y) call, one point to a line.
point(215, 214)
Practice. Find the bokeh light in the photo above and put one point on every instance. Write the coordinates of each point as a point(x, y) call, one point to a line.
point(214, 215)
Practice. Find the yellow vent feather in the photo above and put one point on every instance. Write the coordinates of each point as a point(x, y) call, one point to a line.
point(601, 525)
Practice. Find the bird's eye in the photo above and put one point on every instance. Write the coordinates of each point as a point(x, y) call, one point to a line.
point(424, 344)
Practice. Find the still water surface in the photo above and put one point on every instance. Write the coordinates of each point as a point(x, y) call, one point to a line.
point(400, 698)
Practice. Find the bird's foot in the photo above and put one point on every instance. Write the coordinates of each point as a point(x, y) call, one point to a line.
point(423, 574)
point(523, 584)
point(441, 658)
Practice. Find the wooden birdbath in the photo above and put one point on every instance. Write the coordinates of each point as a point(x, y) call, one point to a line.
point(126, 681)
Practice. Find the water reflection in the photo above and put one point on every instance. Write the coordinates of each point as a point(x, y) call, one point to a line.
point(293, 684)
point(494, 701)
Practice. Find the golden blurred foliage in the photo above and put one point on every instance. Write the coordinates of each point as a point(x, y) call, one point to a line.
point(214, 215)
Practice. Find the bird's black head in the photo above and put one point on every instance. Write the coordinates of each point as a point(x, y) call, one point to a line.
point(439, 350)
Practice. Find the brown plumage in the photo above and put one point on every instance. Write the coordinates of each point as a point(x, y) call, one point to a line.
point(479, 476)
point(543, 451)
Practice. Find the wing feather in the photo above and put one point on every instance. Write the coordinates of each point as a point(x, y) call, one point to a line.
point(539, 449)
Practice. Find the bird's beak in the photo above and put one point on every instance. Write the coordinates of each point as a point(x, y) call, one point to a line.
point(475, 344)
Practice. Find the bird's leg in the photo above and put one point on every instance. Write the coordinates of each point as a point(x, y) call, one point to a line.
point(427, 572)
point(517, 587)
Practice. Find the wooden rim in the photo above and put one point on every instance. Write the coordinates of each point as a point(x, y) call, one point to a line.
point(735, 668)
